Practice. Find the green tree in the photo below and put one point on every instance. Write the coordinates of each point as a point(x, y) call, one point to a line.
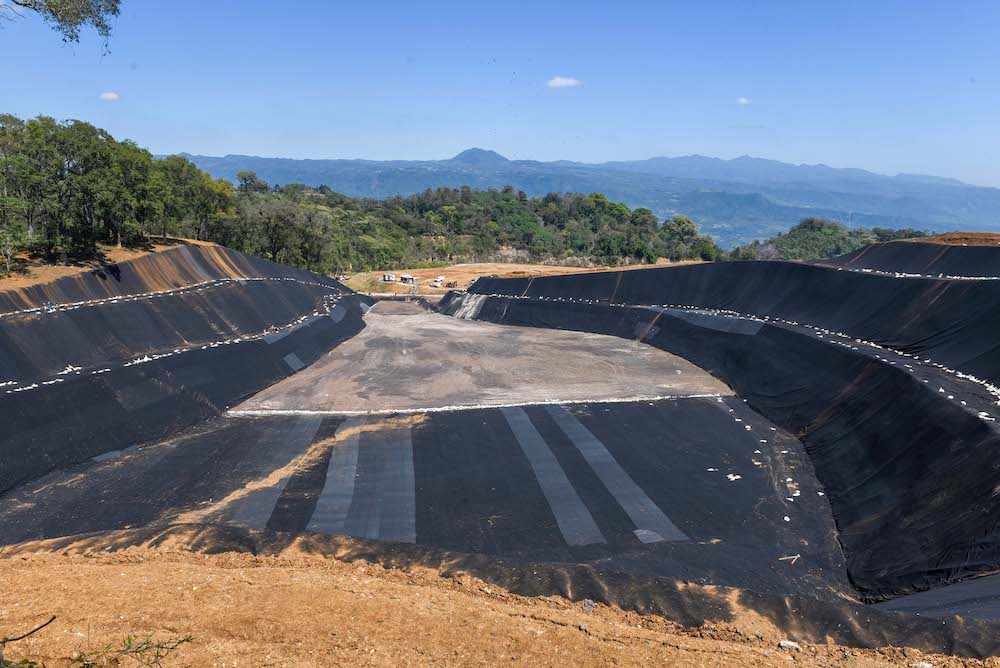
point(68, 17)
point(249, 184)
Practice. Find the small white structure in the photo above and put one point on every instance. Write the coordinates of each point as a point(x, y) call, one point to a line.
point(388, 278)
point(436, 283)
point(409, 280)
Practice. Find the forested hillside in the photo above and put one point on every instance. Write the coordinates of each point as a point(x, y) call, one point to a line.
point(735, 201)
point(64, 187)
point(816, 238)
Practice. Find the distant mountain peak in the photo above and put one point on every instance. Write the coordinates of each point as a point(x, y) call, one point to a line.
point(479, 157)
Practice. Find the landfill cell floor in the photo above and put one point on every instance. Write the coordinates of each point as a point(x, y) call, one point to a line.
point(701, 489)
point(408, 358)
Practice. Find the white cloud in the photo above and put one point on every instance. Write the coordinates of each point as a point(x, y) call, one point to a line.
point(743, 100)
point(563, 82)
point(109, 96)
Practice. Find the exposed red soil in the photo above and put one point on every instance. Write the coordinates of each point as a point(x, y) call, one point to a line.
point(962, 239)
point(302, 610)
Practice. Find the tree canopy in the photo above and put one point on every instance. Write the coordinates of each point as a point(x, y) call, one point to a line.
point(817, 238)
point(66, 186)
point(68, 17)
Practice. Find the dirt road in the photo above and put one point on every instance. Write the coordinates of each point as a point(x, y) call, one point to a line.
point(464, 274)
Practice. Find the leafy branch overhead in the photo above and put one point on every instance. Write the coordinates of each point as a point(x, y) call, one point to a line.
point(69, 16)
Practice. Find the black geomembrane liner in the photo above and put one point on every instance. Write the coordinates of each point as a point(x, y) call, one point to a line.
point(919, 257)
point(910, 476)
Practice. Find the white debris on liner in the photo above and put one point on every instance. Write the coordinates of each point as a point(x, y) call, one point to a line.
point(991, 389)
point(194, 287)
point(462, 407)
point(329, 301)
point(139, 360)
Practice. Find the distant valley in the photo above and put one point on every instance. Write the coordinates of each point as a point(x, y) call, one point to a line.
point(735, 201)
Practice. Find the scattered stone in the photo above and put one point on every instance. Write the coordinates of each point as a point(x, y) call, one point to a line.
point(921, 664)
point(588, 605)
point(788, 644)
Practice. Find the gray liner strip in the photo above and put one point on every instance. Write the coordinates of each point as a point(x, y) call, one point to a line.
point(277, 336)
point(652, 525)
point(384, 501)
point(293, 361)
point(195, 265)
point(333, 504)
point(575, 521)
point(399, 504)
point(717, 322)
point(286, 443)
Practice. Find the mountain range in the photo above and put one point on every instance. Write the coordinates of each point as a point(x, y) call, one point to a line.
point(735, 200)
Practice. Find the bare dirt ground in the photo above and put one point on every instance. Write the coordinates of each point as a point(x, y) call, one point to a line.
point(408, 358)
point(37, 270)
point(962, 239)
point(464, 274)
point(300, 610)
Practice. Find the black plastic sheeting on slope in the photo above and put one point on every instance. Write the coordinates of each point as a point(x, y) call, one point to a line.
point(910, 477)
point(164, 270)
point(90, 415)
point(36, 346)
point(955, 323)
point(911, 257)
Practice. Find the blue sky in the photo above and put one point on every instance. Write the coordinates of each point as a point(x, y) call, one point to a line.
point(888, 86)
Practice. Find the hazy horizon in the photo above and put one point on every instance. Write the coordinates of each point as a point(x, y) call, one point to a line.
point(582, 162)
point(854, 86)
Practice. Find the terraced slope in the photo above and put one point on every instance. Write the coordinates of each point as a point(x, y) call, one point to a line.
point(159, 344)
point(925, 258)
point(888, 382)
point(843, 451)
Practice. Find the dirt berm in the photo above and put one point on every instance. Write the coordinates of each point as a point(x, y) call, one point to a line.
point(911, 476)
